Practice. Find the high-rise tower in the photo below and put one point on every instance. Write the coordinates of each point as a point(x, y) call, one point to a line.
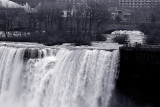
point(138, 3)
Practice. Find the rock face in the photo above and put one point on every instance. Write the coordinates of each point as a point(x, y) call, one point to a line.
point(139, 75)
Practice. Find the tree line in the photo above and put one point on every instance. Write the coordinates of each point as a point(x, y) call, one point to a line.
point(80, 25)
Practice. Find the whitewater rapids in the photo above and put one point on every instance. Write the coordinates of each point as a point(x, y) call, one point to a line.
point(31, 77)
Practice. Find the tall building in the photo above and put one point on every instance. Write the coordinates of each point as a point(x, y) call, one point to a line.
point(66, 3)
point(107, 3)
point(138, 3)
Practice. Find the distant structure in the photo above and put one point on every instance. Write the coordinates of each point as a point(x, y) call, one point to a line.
point(138, 3)
point(66, 3)
point(113, 3)
point(71, 3)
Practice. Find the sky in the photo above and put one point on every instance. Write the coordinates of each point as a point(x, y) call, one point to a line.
point(4, 1)
point(7, 3)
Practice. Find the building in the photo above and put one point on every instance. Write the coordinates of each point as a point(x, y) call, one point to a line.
point(126, 15)
point(68, 3)
point(105, 3)
point(112, 3)
point(138, 3)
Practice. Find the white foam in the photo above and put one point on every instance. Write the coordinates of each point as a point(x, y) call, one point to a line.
point(67, 78)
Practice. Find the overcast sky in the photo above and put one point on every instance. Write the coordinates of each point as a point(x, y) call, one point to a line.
point(7, 3)
point(4, 1)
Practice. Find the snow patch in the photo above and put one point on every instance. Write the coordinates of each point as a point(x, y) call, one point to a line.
point(133, 36)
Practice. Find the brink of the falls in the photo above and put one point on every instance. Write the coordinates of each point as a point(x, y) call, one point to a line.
point(31, 77)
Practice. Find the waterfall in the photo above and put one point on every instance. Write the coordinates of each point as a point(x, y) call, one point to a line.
point(56, 77)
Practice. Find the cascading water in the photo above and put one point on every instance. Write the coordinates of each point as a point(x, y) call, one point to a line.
point(56, 77)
